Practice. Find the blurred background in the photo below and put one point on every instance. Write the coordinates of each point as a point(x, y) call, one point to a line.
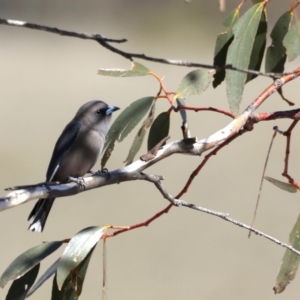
point(185, 254)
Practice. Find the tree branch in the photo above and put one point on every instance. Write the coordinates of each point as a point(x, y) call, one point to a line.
point(130, 55)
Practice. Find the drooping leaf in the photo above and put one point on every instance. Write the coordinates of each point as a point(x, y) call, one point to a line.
point(27, 260)
point(49, 272)
point(138, 140)
point(194, 83)
point(222, 44)
point(76, 251)
point(124, 123)
point(258, 47)
point(137, 69)
point(159, 129)
point(239, 53)
point(291, 41)
point(20, 287)
point(72, 286)
point(276, 56)
point(290, 261)
point(282, 185)
point(185, 126)
point(181, 102)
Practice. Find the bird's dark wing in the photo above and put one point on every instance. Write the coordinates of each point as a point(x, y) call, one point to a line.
point(62, 147)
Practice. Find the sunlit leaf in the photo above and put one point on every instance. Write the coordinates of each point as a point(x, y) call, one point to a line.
point(159, 129)
point(291, 41)
point(72, 286)
point(282, 185)
point(76, 251)
point(194, 83)
point(222, 44)
point(27, 260)
point(290, 261)
point(20, 287)
point(137, 69)
point(139, 138)
point(49, 272)
point(239, 53)
point(124, 123)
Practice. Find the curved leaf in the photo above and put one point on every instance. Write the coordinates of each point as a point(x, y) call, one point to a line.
point(76, 251)
point(20, 287)
point(27, 260)
point(222, 44)
point(49, 272)
point(194, 82)
point(72, 287)
point(124, 123)
point(239, 53)
point(290, 261)
point(282, 185)
point(137, 69)
point(138, 140)
point(291, 41)
point(159, 129)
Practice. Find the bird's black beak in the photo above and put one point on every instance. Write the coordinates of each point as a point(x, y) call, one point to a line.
point(111, 109)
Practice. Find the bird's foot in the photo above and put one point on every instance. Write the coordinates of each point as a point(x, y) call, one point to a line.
point(103, 172)
point(78, 180)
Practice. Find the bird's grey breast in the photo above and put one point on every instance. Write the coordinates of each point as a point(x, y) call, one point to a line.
point(83, 154)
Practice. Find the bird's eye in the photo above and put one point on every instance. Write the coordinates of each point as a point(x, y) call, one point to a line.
point(99, 111)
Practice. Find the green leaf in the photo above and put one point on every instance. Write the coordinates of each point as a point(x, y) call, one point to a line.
point(49, 272)
point(239, 53)
point(258, 47)
point(76, 251)
point(159, 129)
point(20, 287)
point(276, 56)
point(124, 123)
point(291, 41)
point(138, 140)
point(282, 185)
point(222, 44)
point(27, 260)
point(290, 261)
point(72, 286)
point(194, 82)
point(137, 69)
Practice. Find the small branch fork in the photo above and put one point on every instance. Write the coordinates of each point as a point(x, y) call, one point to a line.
point(105, 42)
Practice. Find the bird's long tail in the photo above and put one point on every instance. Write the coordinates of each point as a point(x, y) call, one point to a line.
point(39, 214)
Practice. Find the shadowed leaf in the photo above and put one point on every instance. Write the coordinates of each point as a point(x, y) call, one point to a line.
point(194, 83)
point(258, 47)
point(27, 260)
point(276, 56)
point(291, 41)
point(124, 123)
point(222, 44)
point(159, 129)
point(76, 251)
point(137, 69)
point(290, 261)
point(239, 53)
point(139, 138)
point(49, 272)
point(282, 185)
point(20, 287)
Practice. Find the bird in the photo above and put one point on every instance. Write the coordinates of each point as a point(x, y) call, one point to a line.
point(75, 153)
